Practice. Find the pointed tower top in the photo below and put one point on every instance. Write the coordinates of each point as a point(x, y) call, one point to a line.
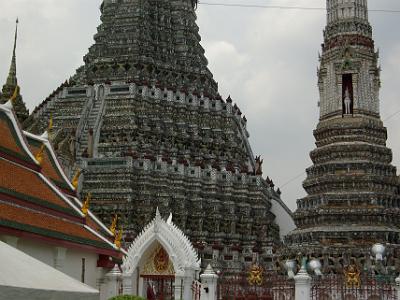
point(11, 89)
point(12, 74)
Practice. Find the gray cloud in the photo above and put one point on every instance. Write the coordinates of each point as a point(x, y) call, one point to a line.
point(265, 59)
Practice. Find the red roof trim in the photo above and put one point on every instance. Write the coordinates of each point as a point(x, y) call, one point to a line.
point(58, 242)
point(21, 162)
point(14, 200)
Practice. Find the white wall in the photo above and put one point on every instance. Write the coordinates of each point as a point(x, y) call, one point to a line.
point(283, 217)
point(73, 266)
point(68, 261)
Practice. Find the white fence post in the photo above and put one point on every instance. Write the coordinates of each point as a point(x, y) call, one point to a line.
point(113, 281)
point(303, 284)
point(398, 287)
point(209, 281)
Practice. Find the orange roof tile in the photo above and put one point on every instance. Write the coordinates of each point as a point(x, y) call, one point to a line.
point(27, 185)
point(33, 221)
point(33, 191)
point(48, 166)
point(9, 142)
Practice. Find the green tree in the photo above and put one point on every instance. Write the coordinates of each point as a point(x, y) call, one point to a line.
point(127, 298)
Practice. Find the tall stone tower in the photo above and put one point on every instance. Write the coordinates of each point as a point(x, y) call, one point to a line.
point(353, 191)
point(144, 120)
point(11, 85)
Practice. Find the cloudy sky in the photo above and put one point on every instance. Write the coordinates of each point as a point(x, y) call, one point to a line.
point(266, 59)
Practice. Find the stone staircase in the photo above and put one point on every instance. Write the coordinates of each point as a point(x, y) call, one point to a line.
point(90, 124)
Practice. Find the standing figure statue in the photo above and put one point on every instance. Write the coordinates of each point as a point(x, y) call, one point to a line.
point(347, 102)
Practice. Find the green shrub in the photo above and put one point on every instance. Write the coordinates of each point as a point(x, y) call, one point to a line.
point(127, 298)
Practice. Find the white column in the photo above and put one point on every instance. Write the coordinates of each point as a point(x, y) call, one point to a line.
point(113, 281)
point(187, 285)
point(398, 287)
point(179, 287)
point(128, 285)
point(209, 280)
point(303, 284)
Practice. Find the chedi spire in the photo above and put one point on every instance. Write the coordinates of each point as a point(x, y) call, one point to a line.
point(11, 85)
point(352, 187)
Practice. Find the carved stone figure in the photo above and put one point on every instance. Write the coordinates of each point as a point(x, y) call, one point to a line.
point(347, 102)
point(259, 163)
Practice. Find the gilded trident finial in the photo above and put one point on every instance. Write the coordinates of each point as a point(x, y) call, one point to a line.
point(39, 155)
point(118, 238)
point(113, 227)
point(86, 204)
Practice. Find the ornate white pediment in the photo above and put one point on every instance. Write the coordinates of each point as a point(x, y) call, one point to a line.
point(171, 238)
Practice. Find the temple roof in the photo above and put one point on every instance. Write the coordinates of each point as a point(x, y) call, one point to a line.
point(51, 167)
point(43, 224)
point(32, 198)
point(12, 143)
point(18, 182)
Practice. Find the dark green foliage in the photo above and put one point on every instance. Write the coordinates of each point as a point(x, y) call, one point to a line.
point(127, 298)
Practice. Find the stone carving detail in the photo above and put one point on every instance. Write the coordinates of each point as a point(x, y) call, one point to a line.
point(348, 49)
point(259, 163)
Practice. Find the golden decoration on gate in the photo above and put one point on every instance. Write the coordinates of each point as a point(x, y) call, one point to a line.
point(353, 276)
point(256, 275)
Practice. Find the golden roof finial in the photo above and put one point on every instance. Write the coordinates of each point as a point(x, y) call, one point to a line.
point(15, 94)
point(50, 127)
point(75, 180)
point(86, 204)
point(113, 227)
point(39, 155)
point(118, 238)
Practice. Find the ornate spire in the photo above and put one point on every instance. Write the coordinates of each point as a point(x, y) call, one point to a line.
point(12, 74)
point(12, 85)
point(154, 50)
point(349, 75)
point(347, 207)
